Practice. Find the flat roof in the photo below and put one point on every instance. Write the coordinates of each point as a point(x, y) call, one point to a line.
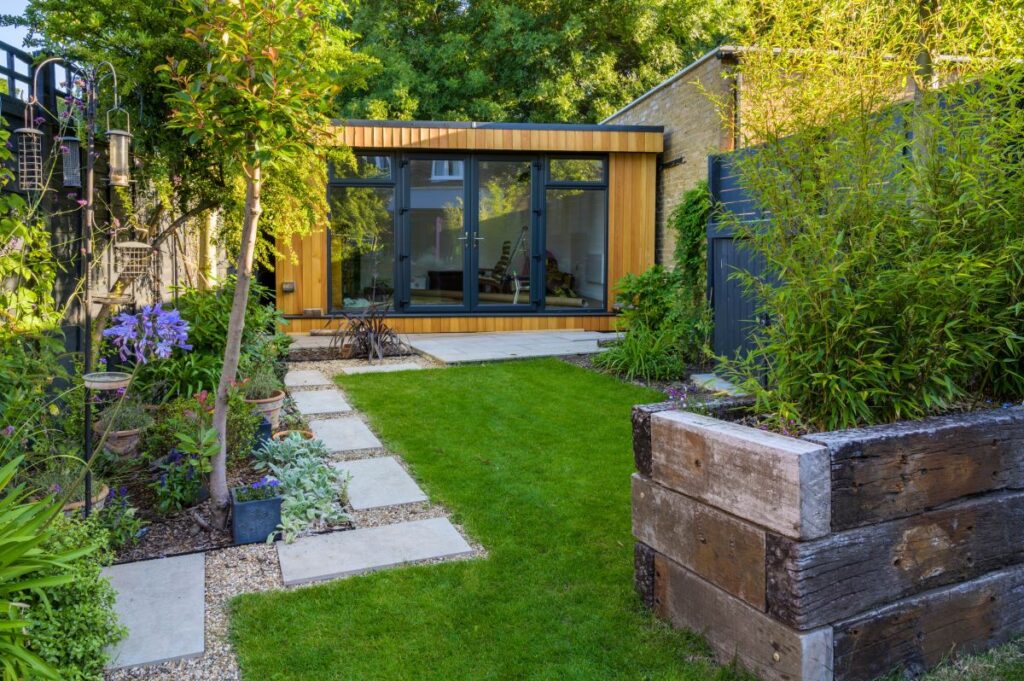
point(474, 125)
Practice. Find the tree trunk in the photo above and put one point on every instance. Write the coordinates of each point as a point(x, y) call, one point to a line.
point(232, 350)
point(207, 251)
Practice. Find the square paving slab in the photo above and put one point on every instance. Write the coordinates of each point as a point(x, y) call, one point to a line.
point(380, 482)
point(382, 368)
point(306, 378)
point(344, 434)
point(340, 554)
point(310, 402)
point(162, 602)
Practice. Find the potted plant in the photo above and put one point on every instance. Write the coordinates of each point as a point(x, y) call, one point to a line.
point(256, 510)
point(122, 423)
point(68, 482)
point(283, 434)
point(264, 392)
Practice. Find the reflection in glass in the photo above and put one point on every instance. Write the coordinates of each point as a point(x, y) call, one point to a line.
point(575, 254)
point(362, 245)
point(576, 170)
point(503, 246)
point(365, 167)
point(437, 233)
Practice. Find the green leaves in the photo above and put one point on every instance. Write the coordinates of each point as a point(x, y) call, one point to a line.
point(894, 231)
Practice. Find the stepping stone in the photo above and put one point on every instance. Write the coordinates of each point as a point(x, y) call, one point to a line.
point(162, 602)
point(311, 402)
point(344, 434)
point(340, 554)
point(306, 378)
point(380, 482)
point(382, 368)
point(715, 384)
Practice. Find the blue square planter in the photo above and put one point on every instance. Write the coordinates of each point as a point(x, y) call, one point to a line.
point(253, 521)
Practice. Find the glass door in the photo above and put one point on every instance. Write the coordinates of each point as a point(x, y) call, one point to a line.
point(502, 233)
point(436, 234)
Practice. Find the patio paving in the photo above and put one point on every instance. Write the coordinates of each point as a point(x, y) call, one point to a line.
point(457, 348)
point(340, 554)
point(380, 482)
point(344, 434)
point(162, 602)
point(306, 378)
point(312, 402)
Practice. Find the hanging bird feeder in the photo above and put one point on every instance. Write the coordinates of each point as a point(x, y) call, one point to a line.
point(71, 160)
point(133, 259)
point(30, 152)
point(119, 156)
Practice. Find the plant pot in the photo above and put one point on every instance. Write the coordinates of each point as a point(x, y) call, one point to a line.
point(284, 434)
point(270, 407)
point(98, 501)
point(254, 521)
point(121, 442)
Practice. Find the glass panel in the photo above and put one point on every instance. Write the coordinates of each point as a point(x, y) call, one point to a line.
point(366, 167)
point(503, 238)
point(577, 170)
point(437, 234)
point(362, 245)
point(575, 255)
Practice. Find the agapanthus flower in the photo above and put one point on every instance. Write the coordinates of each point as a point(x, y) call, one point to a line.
point(153, 332)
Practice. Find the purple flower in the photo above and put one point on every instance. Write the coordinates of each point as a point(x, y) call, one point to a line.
point(38, 120)
point(123, 491)
point(56, 488)
point(121, 392)
point(9, 431)
point(82, 202)
point(154, 332)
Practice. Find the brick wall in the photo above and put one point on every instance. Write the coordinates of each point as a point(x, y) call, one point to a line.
point(694, 128)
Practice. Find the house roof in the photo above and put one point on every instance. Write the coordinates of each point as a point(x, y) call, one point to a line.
point(717, 53)
point(474, 125)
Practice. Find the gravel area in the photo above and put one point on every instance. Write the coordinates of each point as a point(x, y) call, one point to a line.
point(333, 367)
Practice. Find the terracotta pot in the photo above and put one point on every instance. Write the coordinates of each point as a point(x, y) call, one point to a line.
point(282, 434)
point(98, 500)
point(120, 442)
point(270, 407)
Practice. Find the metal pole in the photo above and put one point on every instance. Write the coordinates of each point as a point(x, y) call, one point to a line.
point(90, 117)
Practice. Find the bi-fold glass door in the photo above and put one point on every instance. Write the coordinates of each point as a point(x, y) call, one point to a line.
point(468, 233)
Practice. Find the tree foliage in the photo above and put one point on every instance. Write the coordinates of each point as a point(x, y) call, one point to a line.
point(525, 60)
point(262, 93)
point(891, 167)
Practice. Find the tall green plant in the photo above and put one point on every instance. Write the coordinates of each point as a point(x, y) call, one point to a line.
point(26, 565)
point(261, 91)
point(893, 283)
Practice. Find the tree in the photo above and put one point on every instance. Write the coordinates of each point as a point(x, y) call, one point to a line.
point(261, 92)
point(526, 60)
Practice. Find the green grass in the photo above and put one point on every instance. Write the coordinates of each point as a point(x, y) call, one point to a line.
point(533, 459)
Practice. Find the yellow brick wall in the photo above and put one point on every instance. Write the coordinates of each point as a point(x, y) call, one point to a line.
point(694, 128)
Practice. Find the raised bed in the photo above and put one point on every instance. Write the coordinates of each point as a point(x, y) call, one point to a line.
point(836, 556)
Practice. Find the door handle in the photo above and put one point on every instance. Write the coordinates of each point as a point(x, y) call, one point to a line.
point(465, 235)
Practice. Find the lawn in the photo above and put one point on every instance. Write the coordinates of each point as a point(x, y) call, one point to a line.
point(533, 458)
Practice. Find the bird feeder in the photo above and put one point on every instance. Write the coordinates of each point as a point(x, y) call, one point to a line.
point(133, 259)
point(71, 158)
point(30, 155)
point(120, 141)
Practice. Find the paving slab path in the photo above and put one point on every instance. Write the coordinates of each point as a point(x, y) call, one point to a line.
point(306, 378)
point(344, 434)
point(378, 482)
point(341, 554)
point(313, 402)
point(383, 368)
point(162, 603)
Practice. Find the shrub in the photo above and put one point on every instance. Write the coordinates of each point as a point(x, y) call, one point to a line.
point(119, 518)
point(190, 415)
point(893, 255)
point(29, 569)
point(665, 315)
point(183, 471)
point(207, 313)
point(313, 490)
point(73, 623)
